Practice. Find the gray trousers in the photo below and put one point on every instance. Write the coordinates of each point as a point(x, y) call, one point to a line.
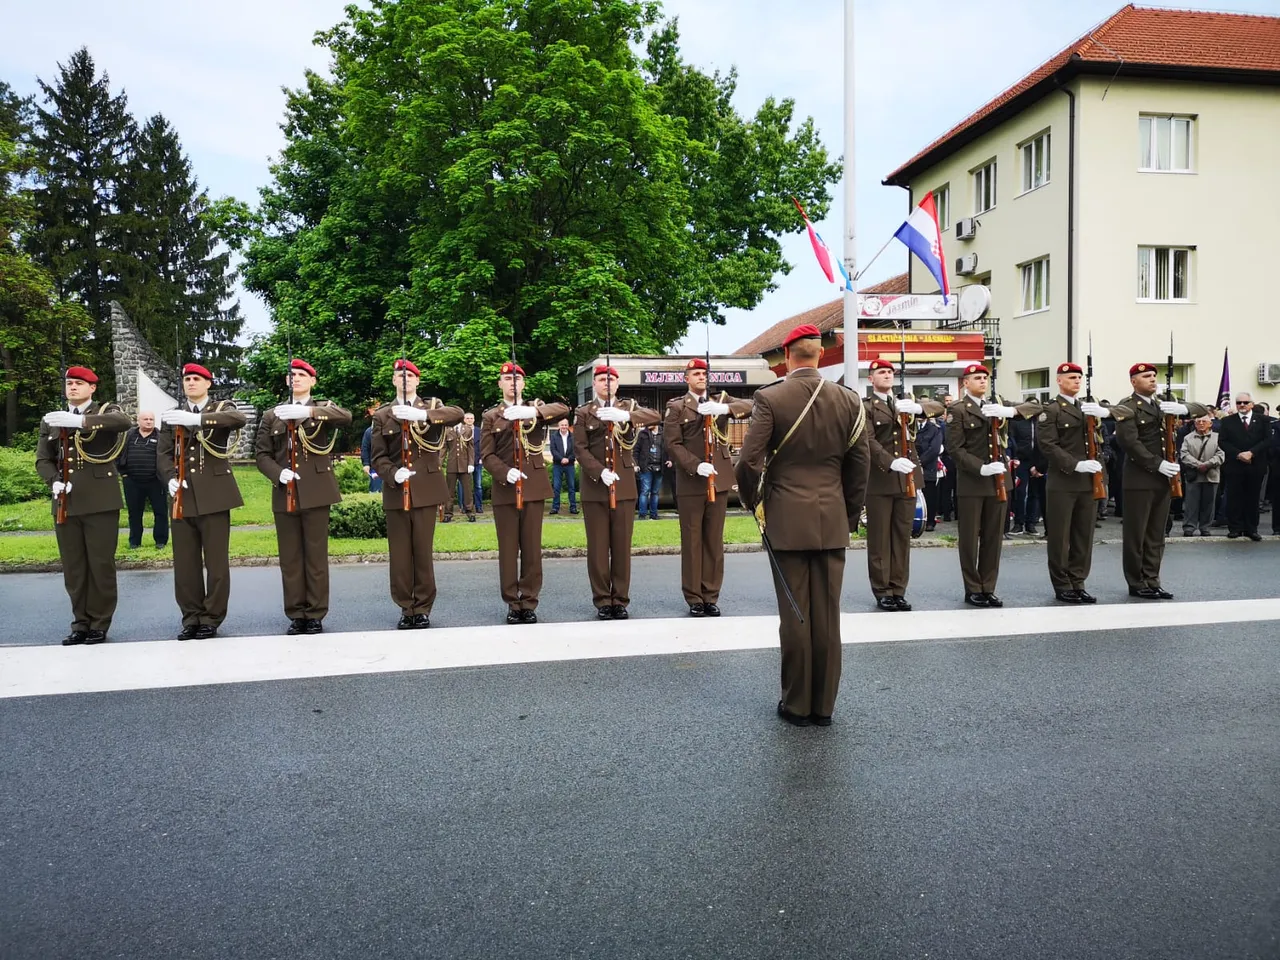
point(1199, 497)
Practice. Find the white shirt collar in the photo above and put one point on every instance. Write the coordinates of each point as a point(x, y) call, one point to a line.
point(305, 401)
point(886, 397)
point(978, 400)
point(1074, 401)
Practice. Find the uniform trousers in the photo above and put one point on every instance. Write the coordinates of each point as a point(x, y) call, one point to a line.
point(609, 550)
point(302, 541)
point(1145, 513)
point(87, 546)
point(459, 481)
point(202, 568)
point(519, 553)
point(1068, 526)
point(981, 539)
point(889, 521)
point(701, 546)
point(411, 538)
point(810, 650)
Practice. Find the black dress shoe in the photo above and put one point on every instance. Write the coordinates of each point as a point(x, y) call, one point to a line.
point(448, 518)
point(1233, 536)
point(902, 605)
point(711, 610)
point(95, 636)
point(818, 720)
point(1145, 593)
point(421, 621)
point(1086, 597)
point(886, 603)
point(528, 616)
point(604, 613)
point(406, 622)
point(928, 528)
point(697, 609)
point(620, 612)
point(573, 509)
point(552, 513)
point(513, 616)
point(792, 718)
point(1255, 537)
point(188, 633)
point(993, 600)
point(296, 626)
point(206, 632)
point(313, 626)
point(76, 637)
point(976, 599)
point(471, 518)
point(1068, 596)
point(1162, 593)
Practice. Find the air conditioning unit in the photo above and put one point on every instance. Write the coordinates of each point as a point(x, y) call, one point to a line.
point(1268, 373)
point(966, 228)
point(967, 265)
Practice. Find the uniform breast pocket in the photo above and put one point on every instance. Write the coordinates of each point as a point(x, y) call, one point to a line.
point(221, 468)
point(103, 470)
point(278, 430)
point(322, 465)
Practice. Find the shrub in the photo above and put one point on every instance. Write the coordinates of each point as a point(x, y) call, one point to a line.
point(19, 481)
point(358, 517)
point(351, 476)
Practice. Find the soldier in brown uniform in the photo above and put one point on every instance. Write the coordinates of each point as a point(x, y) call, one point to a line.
point(807, 445)
point(518, 469)
point(460, 449)
point(202, 536)
point(1070, 509)
point(1140, 432)
point(701, 519)
point(81, 471)
point(979, 466)
point(609, 529)
point(890, 510)
point(420, 425)
point(294, 447)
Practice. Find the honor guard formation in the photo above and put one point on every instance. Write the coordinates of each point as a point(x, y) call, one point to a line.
point(815, 455)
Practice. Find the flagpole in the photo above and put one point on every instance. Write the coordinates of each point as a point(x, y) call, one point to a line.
point(850, 291)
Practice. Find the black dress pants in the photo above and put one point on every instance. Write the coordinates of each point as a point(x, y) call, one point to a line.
point(137, 493)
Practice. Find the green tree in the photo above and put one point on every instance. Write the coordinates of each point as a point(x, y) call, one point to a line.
point(479, 170)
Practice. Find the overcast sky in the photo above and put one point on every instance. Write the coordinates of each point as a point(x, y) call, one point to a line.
point(216, 73)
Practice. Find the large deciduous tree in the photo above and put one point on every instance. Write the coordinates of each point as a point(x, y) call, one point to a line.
point(482, 170)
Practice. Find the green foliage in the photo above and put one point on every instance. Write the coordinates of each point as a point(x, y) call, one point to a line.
point(351, 476)
point(19, 481)
point(479, 170)
point(359, 517)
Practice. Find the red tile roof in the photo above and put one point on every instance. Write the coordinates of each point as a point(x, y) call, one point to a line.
point(826, 318)
point(1137, 38)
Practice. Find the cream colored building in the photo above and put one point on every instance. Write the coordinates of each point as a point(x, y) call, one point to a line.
point(1127, 189)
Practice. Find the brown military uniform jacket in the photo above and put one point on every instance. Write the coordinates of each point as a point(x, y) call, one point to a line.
point(816, 484)
point(211, 487)
point(886, 446)
point(682, 430)
point(427, 487)
point(460, 449)
point(1064, 438)
point(95, 487)
point(590, 436)
point(969, 440)
point(316, 484)
point(498, 452)
point(1140, 433)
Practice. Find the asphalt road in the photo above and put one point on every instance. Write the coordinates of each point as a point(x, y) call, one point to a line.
point(35, 606)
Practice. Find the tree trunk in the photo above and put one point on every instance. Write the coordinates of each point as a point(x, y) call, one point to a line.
point(10, 398)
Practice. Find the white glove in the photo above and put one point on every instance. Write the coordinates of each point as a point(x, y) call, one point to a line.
point(907, 405)
point(288, 476)
point(520, 412)
point(403, 411)
point(903, 465)
point(998, 410)
point(292, 411)
point(1088, 466)
point(471, 468)
point(1174, 408)
point(181, 418)
point(608, 477)
point(713, 408)
point(64, 420)
point(1169, 468)
point(613, 415)
point(59, 487)
point(992, 469)
point(706, 469)
point(402, 475)
point(513, 474)
point(1091, 409)
point(173, 487)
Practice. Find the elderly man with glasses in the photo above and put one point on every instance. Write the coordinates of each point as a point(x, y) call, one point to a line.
point(1245, 437)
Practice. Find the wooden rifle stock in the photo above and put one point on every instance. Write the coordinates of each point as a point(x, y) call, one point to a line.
point(1002, 491)
point(66, 472)
point(291, 488)
point(1091, 438)
point(1171, 453)
point(180, 449)
point(610, 461)
point(904, 450)
point(406, 461)
point(709, 444)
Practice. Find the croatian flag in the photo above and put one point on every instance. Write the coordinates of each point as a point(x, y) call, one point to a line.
point(923, 237)
point(1224, 385)
point(820, 248)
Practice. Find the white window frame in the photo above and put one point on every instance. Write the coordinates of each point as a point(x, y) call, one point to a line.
point(980, 176)
point(1027, 275)
point(1038, 147)
point(1154, 275)
point(1150, 129)
point(1034, 392)
point(942, 203)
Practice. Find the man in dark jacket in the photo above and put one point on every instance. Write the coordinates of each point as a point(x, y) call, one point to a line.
point(1029, 490)
point(929, 449)
point(142, 485)
point(649, 460)
point(1245, 438)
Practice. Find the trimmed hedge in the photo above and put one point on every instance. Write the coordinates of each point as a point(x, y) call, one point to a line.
point(351, 476)
point(358, 517)
point(19, 481)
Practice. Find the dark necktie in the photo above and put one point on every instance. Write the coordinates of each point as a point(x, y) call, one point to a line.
point(76, 411)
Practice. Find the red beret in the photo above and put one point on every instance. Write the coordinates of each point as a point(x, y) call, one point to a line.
point(303, 366)
point(1069, 368)
point(407, 365)
point(1138, 368)
point(511, 368)
point(697, 363)
point(881, 365)
point(976, 368)
point(81, 373)
point(806, 331)
point(198, 370)
point(601, 370)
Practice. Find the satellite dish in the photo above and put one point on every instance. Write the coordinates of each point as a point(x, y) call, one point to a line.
point(975, 301)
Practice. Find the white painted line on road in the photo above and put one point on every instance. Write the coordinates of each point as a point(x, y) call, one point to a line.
point(46, 670)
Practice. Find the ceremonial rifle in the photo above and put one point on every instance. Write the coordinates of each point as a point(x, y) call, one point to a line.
point(64, 438)
point(406, 438)
point(1091, 425)
point(708, 426)
point(610, 453)
point(516, 436)
point(904, 419)
point(291, 430)
point(179, 431)
point(997, 451)
point(1171, 427)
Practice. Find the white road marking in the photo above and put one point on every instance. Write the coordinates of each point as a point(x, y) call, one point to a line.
point(46, 670)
